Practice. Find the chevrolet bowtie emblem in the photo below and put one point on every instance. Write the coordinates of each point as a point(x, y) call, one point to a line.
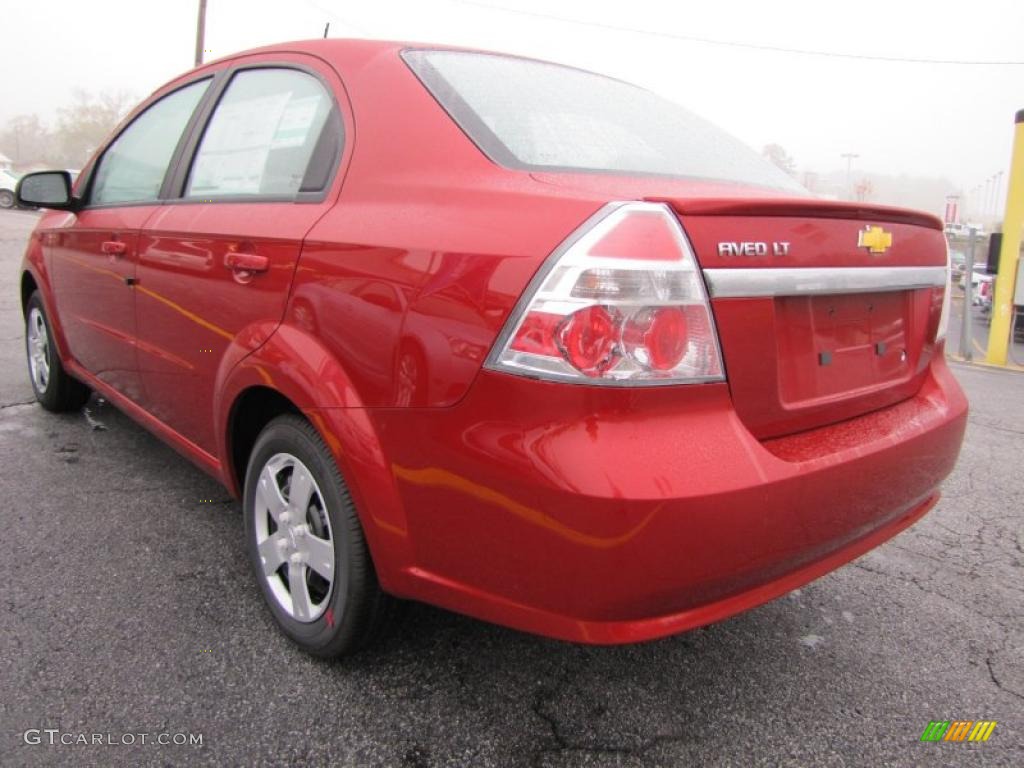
point(875, 239)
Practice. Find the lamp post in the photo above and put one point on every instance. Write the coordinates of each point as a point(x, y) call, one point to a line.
point(998, 193)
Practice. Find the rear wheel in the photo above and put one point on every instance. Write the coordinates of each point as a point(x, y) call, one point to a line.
point(54, 388)
point(306, 545)
point(6, 198)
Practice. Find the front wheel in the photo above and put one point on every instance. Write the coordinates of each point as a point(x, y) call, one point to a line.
point(306, 545)
point(54, 388)
point(6, 198)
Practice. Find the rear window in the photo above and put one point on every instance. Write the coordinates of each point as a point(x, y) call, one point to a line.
point(538, 116)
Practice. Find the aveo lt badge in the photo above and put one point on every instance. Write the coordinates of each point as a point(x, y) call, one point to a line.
point(753, 249)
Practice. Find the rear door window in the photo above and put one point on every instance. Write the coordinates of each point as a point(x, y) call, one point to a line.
point(262, 137)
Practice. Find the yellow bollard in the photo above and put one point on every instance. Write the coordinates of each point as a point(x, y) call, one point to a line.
point(1013, 222)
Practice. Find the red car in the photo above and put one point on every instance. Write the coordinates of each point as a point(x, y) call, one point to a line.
point(511, 338)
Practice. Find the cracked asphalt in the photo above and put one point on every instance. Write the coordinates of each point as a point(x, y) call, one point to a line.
point(127, 607)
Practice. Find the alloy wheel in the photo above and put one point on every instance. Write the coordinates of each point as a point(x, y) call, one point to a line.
point(38, 350)
point(294, 538)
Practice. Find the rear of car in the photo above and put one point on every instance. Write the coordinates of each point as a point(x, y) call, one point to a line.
point(506, 337)
point(715, 389)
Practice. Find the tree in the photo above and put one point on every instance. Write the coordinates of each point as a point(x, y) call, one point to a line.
point(780, 157)
point(27, 141)
point(83, 126)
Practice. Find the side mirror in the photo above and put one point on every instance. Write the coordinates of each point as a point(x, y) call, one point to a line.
point(46, 189)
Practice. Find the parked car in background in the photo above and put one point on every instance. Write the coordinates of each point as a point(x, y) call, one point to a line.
point(983, 291)
point(964, 230)
point(957, 263)
point(8, 184)
point(981, 283)
point(507, 337)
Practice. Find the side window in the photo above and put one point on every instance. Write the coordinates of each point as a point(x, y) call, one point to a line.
point(262, 135)
point(133, 167)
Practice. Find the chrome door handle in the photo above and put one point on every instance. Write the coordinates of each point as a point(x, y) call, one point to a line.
point(246, 262)
point(113, 247)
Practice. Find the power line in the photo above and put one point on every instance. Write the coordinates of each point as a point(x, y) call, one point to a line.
point(732, 44)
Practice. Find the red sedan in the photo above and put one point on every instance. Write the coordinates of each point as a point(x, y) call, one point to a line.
point(507, 337)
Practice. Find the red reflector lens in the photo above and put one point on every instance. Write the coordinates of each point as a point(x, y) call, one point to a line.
point(588, 340)
point(656, 337)
point(639, 236)
point(536, 334)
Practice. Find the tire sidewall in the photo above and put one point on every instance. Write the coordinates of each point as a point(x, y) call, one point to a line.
point(283, 436)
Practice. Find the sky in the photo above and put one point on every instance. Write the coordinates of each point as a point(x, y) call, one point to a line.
point(720, 59)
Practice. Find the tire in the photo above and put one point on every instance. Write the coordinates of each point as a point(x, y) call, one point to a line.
point(6, 198)
point(54, 388)
point(339, 606)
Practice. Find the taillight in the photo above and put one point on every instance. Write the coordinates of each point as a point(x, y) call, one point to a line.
point(621, 302)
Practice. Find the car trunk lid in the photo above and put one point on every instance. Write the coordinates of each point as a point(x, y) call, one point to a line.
point(825, 310)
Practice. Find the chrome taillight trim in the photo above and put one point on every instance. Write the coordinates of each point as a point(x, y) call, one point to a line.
point(819, 281)
point(526, 297)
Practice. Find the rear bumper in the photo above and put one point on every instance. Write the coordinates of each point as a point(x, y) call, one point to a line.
point(610, 516)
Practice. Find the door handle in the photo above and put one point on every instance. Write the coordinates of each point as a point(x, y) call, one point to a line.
point(246, 262)
point(113, 247)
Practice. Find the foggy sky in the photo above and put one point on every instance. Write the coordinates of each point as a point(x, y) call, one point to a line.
point(901, 118)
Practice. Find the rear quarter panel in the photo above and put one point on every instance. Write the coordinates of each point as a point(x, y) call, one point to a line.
point(449, 238)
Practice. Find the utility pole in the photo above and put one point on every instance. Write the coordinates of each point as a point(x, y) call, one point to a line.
point(850, 157)
point(200, 32)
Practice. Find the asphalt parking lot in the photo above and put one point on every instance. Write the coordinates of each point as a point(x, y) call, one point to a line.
point(128, 608)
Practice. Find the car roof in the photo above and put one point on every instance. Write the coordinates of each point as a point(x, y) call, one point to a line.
point(347, 50)
point(383, 92)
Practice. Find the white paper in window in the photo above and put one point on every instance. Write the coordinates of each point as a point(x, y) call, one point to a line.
point(296, 121)
point(235, 148)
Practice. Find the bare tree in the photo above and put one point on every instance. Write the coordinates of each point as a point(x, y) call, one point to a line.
point(27, 141)
point(780, 157)
point(82, 126)
point(80, 129)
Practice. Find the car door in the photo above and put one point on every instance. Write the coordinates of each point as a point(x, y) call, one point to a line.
point(215, 265)
point(94, 253)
